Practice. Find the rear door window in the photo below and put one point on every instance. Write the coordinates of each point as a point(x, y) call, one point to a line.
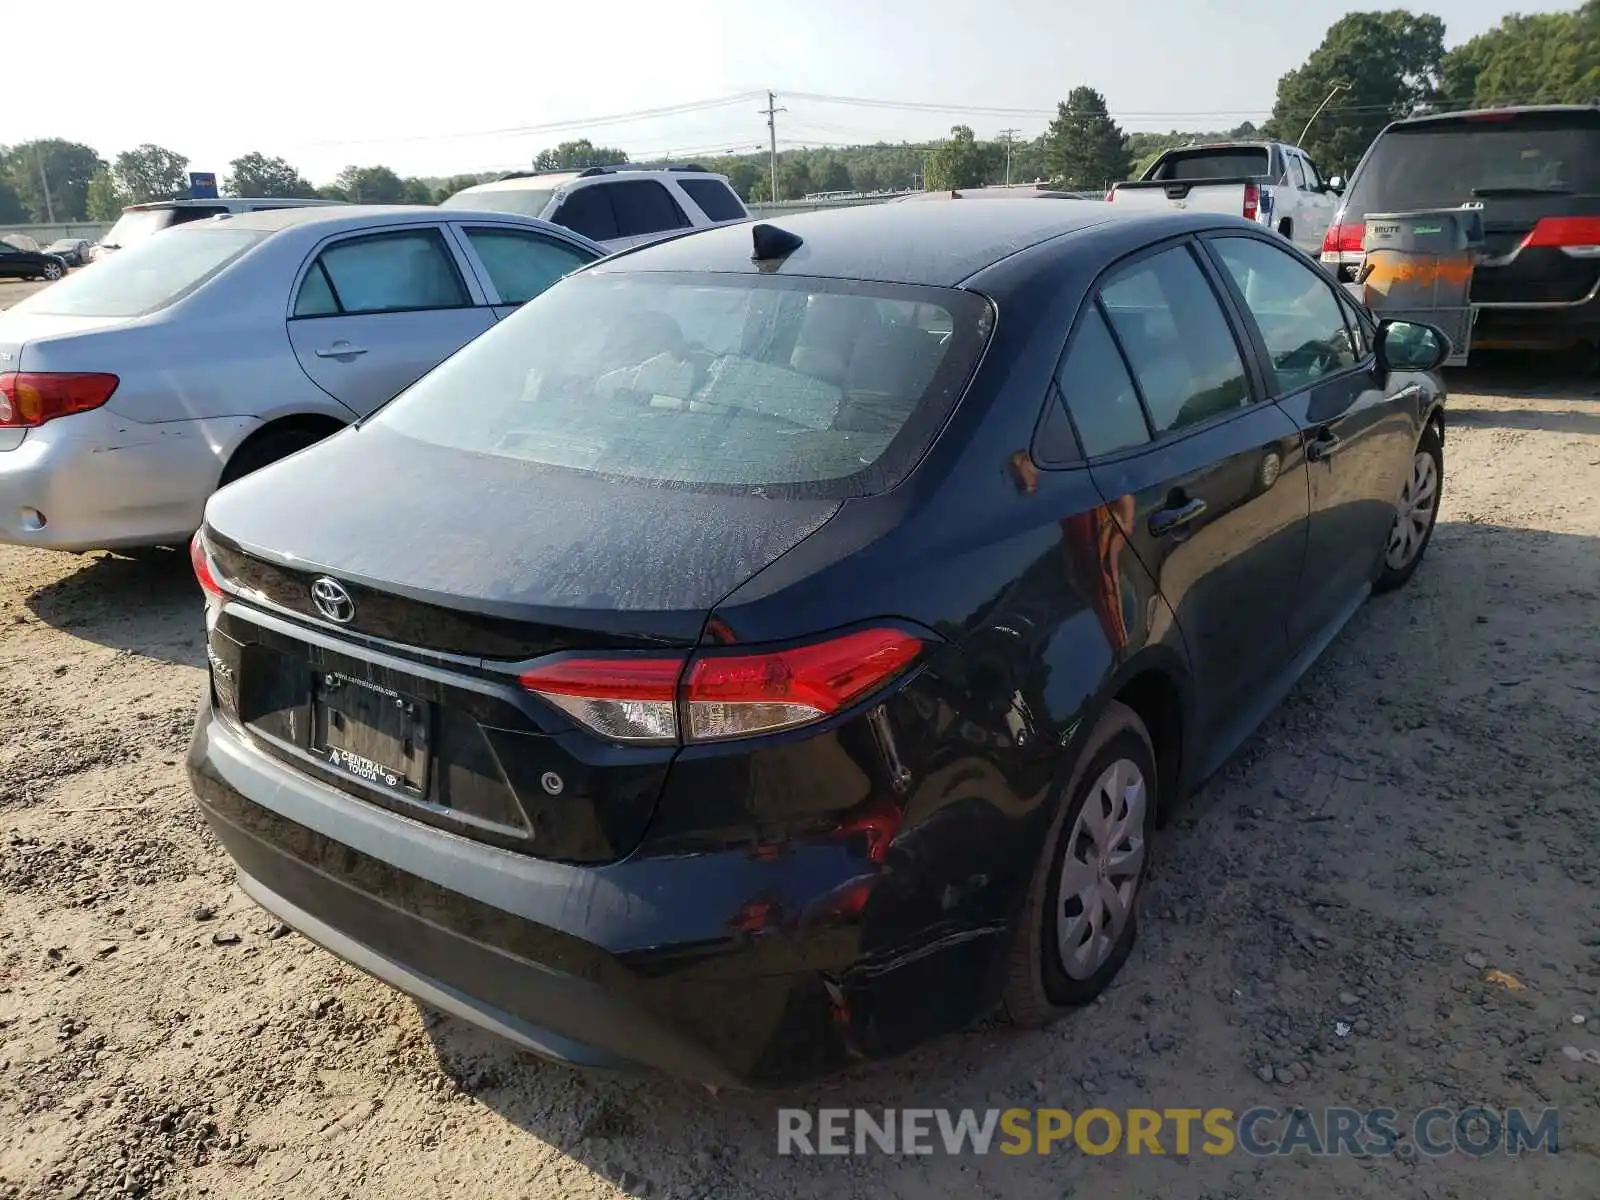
point(521, 265)
point(1173, 331)
point(715, 198)
point(386, 272)
point(1099, 392)
point(643, 206)
point(588, 211)
point(1297, 173)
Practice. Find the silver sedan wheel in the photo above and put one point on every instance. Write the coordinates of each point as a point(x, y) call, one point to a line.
point(52, 270)
point(1414, 514)
point(1102, 869)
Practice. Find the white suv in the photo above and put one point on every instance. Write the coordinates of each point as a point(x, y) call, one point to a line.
point(615, 206)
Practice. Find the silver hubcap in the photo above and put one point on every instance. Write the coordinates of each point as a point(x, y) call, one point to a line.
point(1101, 870)
point(52, 272)
point(1270, 467)
point(1414, 514)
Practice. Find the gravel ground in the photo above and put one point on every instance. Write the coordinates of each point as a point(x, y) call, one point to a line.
point(1421, 811)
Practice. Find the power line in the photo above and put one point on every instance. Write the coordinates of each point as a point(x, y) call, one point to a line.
point(644, 114)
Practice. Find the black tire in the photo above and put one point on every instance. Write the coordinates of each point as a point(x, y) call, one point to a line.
point(1286, 229)
point(1036, 989)
point(59, 272)
point(265, 449)
point(1391, 577)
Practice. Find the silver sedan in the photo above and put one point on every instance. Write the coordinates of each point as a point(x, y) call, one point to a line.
point(130, 392)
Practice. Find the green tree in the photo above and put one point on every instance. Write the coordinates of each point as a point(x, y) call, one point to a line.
point(12, 210)
point(1084, 147)
point(65, 167)
point(760, 191)
point(834, 176)
point(743, 176)
point(575, 156)
point(957, 162)
point(449, 187)
point(151, 172)
point(254, 174)
point(369, 185)
point(1390, 62)
point(1551, 58)
point(794, 179)
point(417, 191)
point(105, 201)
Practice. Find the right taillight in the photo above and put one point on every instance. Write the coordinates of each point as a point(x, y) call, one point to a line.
point(723, 693)
point(1252, 201)
point(1576, 236)
point(30, 398)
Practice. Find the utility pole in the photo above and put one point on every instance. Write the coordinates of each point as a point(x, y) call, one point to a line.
point(1007, 135)
point(44, 182)
point(772, 110)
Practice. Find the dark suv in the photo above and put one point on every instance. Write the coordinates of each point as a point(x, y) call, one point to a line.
point(1535, 173)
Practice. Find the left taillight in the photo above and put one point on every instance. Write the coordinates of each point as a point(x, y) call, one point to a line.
point(1252, 201)
point(720, 694)
point(30, 398)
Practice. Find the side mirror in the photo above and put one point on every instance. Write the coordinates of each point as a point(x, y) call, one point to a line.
point(1336, 185)
point(1411, 346)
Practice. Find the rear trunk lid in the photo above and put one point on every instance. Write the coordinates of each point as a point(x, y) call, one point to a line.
point(1522, 168)
point(457, 570)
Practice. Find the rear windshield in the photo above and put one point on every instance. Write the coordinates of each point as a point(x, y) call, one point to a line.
point(525, 202)
point(145, 277)
point(793, 386)
point(1443, 166)
point(137, 225)
point(1229, 162)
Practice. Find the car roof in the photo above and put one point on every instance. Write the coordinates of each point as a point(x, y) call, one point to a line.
point(335, 217)
point(930, 244)
point(1508, 110)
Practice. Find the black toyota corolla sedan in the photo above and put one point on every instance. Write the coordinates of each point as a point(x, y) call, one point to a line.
point(773, 647)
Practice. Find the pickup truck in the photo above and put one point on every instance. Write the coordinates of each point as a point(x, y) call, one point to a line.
point(1272, 183)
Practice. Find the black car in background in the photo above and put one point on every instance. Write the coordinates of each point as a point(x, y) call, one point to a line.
point(32, 263)
point(773, 647)
point(72, 251)
point(1535, 173)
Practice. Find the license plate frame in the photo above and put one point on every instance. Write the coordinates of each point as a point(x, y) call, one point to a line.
point(372, 734)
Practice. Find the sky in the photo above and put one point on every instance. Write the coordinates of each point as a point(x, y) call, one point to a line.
point(441, 89)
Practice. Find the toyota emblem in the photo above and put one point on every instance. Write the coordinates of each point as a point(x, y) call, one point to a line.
point(332, 600)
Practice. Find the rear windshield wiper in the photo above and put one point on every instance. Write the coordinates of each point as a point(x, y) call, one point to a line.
point(1522, 191)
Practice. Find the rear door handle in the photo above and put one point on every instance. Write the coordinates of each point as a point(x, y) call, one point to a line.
point(339, 350)
point(1165, 520)
point(1325, 446)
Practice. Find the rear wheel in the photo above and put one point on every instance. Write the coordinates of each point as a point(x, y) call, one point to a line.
point(1081, 916)
point(267, 448)
point(1415, 514)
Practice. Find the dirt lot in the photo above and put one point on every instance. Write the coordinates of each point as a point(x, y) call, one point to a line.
point(1423, 808)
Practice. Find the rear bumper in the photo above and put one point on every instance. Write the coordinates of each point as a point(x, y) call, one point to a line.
point(96, 481)
point(597, 967)
point(1536, 328)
